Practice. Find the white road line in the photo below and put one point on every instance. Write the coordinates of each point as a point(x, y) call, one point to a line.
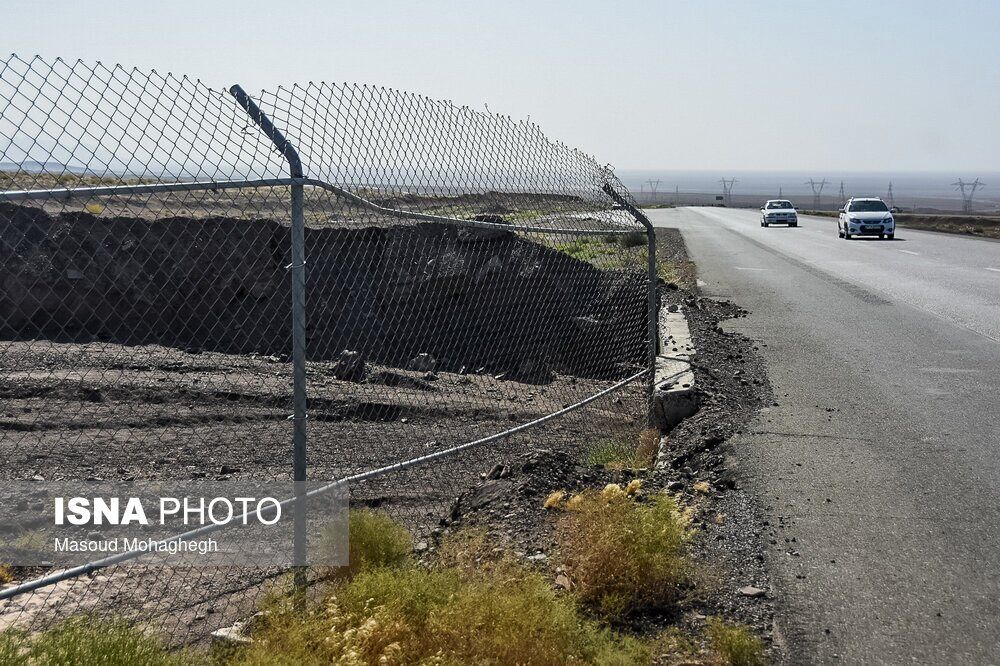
point(741, 268)
point(995, 270)
point(910, 252)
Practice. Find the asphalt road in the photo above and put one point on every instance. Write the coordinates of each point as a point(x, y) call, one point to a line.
point(879, 469)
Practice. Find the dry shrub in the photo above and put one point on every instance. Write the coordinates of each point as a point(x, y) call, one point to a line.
point(554, 499)
point(625, 556)
point(6, 574)
point(735, 645)
point(499, 612)
point(649, 445)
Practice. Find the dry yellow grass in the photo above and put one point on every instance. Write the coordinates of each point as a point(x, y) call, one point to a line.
point(554, 499)
point(474, 605)
point(623, 555)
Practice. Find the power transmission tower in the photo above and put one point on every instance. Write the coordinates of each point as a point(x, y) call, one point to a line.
point(842, 196)
point(817, 188)
point(653, 185)
point(780, 195)
point(677, 194)
point(968, 190)
point(892, 202)
point(727, 190)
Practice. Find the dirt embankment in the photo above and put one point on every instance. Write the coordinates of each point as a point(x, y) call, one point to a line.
point(474, 298)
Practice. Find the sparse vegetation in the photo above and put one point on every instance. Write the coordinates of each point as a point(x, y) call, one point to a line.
point(622, 454)
point(614, 454)
point(632, 239)
point(623, 555)
point(85, 640)
point(735, 644)
point(13, 648)
point(6, 574)
point(375, 539)
point(475, 606)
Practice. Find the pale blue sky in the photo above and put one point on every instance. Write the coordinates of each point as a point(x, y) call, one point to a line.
point(858, 86)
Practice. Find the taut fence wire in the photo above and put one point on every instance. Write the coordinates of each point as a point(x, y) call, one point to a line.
point(350, 285)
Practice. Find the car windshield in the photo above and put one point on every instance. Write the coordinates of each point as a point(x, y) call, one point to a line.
point(779, 204)
point(868, 207)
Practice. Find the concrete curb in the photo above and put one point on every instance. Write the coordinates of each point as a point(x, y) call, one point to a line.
point(674, 394)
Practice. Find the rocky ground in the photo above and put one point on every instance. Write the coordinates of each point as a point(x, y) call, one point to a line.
point(694, 463)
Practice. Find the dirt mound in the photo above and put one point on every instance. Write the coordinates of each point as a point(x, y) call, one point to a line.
point(480, 299)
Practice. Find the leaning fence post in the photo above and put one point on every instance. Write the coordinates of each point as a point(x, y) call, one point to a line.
point(652, 296)
point(298, 273)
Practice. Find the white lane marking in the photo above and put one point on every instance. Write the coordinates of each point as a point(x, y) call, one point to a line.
point(741, 268)
point(995, 270)
point(910, 252)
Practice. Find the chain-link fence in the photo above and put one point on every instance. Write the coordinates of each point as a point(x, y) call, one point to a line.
point(331, 282)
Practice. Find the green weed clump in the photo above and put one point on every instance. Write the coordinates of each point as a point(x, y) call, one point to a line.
point(625, 556)
point(735, 644)
point(84, 640)
point(375, 540)
point(632, 239)
point(621, 454)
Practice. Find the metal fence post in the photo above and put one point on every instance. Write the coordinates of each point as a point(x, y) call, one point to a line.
point(298, 274)
point(652, 294)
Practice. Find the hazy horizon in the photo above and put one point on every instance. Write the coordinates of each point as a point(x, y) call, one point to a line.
point(811, 87)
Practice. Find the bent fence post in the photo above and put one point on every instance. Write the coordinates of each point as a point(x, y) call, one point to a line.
point(652, 295)
point(297, 268)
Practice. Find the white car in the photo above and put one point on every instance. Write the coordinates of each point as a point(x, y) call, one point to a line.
point(866, 217)
point(778, 211)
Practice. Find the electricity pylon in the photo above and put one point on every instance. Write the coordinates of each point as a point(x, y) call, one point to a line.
point(727, 190)
point(892, 202)
point(653, 185)
point(842, 196)
point(968, 190)
point(817, 188)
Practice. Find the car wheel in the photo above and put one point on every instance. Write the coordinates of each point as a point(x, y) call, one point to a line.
point(840, 232)
point(891, 236)
point(847, 236)
point(881, 236)
point(793, 224)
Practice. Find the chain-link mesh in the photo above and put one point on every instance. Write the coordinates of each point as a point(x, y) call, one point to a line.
point(465, 277)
